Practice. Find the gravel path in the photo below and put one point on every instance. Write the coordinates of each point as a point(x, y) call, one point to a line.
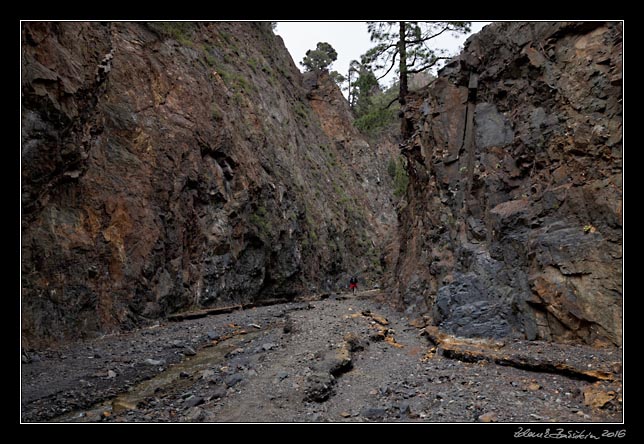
point(339, 359)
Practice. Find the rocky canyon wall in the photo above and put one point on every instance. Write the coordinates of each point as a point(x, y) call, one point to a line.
point(167, 166)
point(514, 220)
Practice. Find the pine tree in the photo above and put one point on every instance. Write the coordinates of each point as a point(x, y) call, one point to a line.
point(320, 58)
point(405, 46)
point(362, 85)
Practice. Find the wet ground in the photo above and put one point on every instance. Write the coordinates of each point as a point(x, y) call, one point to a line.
point(339, 359)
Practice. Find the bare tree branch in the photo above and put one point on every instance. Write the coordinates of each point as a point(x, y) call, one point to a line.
point(446, 28)
point(424, 39)
point(413, 62)
point(384, 49)
point(393, 63)
point(392, 102)
point(423, 68)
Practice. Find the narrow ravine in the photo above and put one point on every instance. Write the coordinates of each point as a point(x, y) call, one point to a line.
point(193, 207)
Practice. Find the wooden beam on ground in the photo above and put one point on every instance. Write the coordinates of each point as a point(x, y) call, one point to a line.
point(524, 355)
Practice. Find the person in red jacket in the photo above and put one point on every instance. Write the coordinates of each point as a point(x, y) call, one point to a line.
point(353, 284)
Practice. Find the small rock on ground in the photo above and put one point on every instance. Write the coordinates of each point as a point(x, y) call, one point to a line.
point(373, 412)
point(233, 379)
point(488, 417)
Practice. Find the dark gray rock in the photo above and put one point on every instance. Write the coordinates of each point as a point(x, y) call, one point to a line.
point(193, 401)
point(354, 342)
point(373, 412)
point(319, 387)
point(196, 415)
point(207, 374)
point(492, 127)
point(469, 307)
point(404, 409)
point(233, 379)
point(218, 391)
point(288, 325)
point(408, 393)
point(188, 351)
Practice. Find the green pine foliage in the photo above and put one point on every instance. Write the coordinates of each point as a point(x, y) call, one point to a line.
point(377, 113)
point(401, 179)
point(319, 58)
point(420, 55)
point(397, 171)
point(406, 48)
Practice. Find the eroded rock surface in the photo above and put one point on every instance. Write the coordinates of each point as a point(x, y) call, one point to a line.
point(514, 221)
point(168, 166)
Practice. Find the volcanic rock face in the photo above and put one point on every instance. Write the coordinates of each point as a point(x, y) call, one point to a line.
point(514, 221)
point(173, 165)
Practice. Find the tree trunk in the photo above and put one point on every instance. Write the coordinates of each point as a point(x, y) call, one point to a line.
point(349, 95)
point(405, 126)
point(402, 49)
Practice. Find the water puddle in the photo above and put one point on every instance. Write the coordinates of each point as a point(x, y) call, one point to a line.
point(206, 358)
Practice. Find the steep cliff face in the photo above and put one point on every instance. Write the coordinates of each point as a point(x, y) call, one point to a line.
point(172, 165)
point(369, 161)
point(514, 222)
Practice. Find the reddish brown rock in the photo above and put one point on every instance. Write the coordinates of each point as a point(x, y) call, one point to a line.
point(597, 397)
point(174, 166)
point(417, 322)
point(488, 417)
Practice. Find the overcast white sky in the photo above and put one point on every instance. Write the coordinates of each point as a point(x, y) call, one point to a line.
point(350, 40)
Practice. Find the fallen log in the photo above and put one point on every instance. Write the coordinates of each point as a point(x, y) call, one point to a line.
point(525, 355)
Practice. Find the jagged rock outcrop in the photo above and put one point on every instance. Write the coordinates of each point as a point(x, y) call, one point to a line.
point(176, 165)
point(514, 221)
